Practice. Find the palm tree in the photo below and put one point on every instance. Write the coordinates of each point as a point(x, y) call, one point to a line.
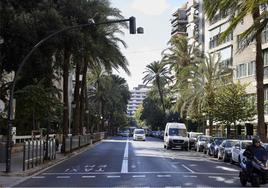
point(199, 98)
point(180, 55)
point(238, 10)
point(159, 75)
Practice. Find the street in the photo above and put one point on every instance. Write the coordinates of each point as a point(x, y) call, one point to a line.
point(122, 162)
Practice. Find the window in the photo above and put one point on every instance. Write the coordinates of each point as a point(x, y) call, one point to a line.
point(265, 34)
point(265, 72)
point(265, 57)
point(251, 68)
point(241, 70)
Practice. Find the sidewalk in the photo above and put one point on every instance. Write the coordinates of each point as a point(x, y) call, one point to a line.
point(17, 174)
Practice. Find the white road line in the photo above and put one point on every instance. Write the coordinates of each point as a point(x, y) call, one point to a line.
point(63, 177)
point(124, 168)
point(113, 176)
point(88, 176)
point(153, 172)
point(190, 176)
point(138, 176)
point(163, 176)
point(38, 177)
point(187, 168)
point(174, 166)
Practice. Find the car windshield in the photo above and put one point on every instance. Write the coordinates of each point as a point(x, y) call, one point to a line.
point(139, 132)
point(203, 138)
point(218, 141)
point(177, 132)
point(230, 143)
point(245, 144)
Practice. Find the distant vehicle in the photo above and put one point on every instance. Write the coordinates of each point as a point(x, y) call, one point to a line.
point(125, 133)
point(238, 150)
point(201, 141)
point(192, 138)
point(139, 134)
point(175, 135)
point(214, 146)
point(225, 149)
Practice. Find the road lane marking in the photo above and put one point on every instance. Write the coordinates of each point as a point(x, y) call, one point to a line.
point(88, 176)
point(38, 177)
point(113, 176)
point(138, 176)
point(163, 172)
point(163, 176)
point(174, 166)
point(190, 176)
point(124, 168)
point(187, 168)
point(63, 177)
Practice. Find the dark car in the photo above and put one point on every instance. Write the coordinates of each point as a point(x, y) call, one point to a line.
point(214, 146)
point(225, 149)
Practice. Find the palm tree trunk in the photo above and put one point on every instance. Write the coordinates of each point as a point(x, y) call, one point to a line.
point(66, 62)
point(259, 78)
point(161, 95)
point(77, 98)
point(83, 96)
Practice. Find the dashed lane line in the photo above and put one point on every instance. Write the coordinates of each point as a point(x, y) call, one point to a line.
point(38, 177)
point(63, 177)
point(88, 176)
point(113, 176)
point(163, 176)
point(138, 176)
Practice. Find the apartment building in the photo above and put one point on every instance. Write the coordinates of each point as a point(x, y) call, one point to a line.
point(179, 21)
point(196, 26)
point(138, 94)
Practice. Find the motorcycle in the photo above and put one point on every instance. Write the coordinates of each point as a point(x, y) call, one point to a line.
point(258, 172)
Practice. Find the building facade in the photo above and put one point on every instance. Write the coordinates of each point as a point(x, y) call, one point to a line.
point(138, 94)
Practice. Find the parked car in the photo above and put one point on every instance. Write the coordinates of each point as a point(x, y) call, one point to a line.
point(225, 148)
point(207, 145)
point(201, 142)
point(214, 146)
point(238, 150)
point(139, 134)
point(192, 138)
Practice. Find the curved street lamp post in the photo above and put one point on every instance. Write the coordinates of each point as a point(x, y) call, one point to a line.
point(132, 30)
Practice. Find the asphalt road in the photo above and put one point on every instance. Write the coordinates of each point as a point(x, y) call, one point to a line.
point(122, 162)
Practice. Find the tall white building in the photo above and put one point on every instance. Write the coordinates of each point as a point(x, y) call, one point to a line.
point(137, 95)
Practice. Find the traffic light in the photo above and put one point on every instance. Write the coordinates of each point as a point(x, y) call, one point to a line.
point(132, 25)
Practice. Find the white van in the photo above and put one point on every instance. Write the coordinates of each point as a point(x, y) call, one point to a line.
point(175, 135)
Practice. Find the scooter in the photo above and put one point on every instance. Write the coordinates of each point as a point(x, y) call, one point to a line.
point(258, 172)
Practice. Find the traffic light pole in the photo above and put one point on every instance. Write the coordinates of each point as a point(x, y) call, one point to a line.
point(132, 29)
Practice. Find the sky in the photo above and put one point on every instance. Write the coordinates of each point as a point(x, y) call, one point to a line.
point(154, 16)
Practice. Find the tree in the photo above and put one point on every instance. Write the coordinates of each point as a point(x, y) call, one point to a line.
point(152, 114)
point(237, 11)
point(199, 97)
point(158, 75)
point(233, 105)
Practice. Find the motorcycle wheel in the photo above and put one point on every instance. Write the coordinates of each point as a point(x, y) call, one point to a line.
point(243, 179)
point(255, 181)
